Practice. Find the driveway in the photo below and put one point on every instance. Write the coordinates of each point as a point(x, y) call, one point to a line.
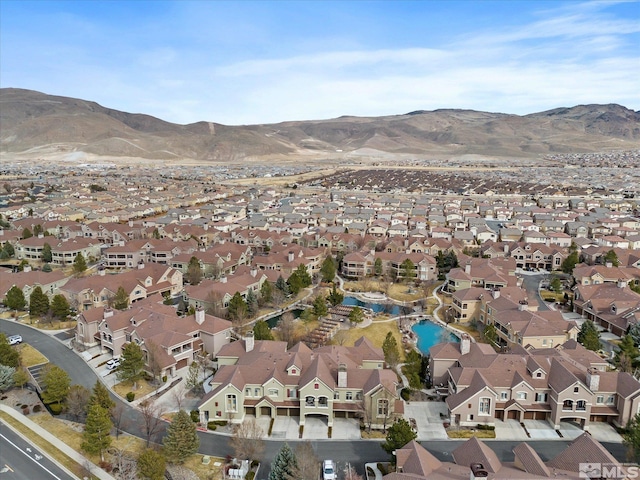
point(427, 419)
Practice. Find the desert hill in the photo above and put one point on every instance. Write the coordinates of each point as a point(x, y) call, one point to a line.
point(38, 123)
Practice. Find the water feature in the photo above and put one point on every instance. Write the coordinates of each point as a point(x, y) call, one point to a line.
point(389, 308)
point(429, 334)
point(273, 321)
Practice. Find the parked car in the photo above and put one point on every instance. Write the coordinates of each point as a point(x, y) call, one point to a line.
point(14, 339)
point(113, 364)
point(328, 470)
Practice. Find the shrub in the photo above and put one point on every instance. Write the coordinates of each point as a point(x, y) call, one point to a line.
point(195, 416)
point(405, 393)
point(220, 423)
point(329, 432)
point(55, 408)
point(211, 425)
point(36, 408)
point(25, 410)
point(164, 379)
point(250, 475)
point(130, 396)
point(24, 406)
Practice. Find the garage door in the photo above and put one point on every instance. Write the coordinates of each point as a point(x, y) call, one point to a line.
point(182, 363)
point(513, 415)
point(528, 415)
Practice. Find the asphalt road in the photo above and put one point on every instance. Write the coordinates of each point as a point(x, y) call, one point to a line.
point(356, 452)
point(20, 460)
point(531, 284)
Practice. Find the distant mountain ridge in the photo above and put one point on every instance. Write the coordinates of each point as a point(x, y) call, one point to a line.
point(38, 123)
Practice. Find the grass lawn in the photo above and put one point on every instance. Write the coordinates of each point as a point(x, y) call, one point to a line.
point(376, 332)
point(143, 388)
point(372, 434)
point(464, 433)
point(205, 472)
point(51, 450)
point(470, 330)
point(29, 356)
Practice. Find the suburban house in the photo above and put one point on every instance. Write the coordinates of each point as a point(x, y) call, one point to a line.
point(475, 460)
point(613, 306)
point(264, 378)
point(563, 383)
point(27, 280)
point(488, 273)
point(172, 341)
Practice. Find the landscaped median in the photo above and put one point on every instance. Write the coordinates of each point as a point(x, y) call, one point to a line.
point(481, 431)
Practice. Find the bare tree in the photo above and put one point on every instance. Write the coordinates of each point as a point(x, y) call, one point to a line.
point(117, 417)
point(287, 330)
point(77, 400)
point(124, 463)
point(153, 359)
point(350, 473)
point(214, 299)
point(340, 337)
point(308, 464)
point(151, 419)
point(179, 393)
point(247, 440)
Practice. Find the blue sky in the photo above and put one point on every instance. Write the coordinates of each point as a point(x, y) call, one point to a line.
point(245, 62)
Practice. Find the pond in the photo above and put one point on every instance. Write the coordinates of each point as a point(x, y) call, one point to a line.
point(429, 334)
point(273, 321)
point(389, 308)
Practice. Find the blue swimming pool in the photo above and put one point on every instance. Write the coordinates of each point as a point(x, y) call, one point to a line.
point(389, 308)
point(429, 334)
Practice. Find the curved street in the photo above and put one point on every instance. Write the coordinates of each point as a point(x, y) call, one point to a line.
point(356, 452)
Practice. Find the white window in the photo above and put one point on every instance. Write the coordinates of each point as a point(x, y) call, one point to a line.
point(383, 407)
point(310, 401)
point(541, 397)
point(273, 392)
point(611, 399)
point(521, 395)
point(247, 392)
point(256, 392)
point(485, 406)
point(232, 404)
point(349, 396)
point(336, 395)
point(504, 395)
point(600, 399)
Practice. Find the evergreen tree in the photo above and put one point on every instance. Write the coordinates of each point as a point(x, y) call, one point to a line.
point(303, 274)
point(79, 263)
point(556, 285)
point(252, 304)
point(47, 268)
point(96, 437)
point(193, 376)
point(194, 271)
point(15, 299)
point(38, 302)
point(181, 439)
point(320, 306)
point(589, 336)
point(356, 315)
point(390, 350)
point(490, 334)
point(335, 297)
point(9, 250)
point(55, 383)
point(47, 256)
point(7, 375)
point(611, 257)
point(295, 283)
point(26, 233)
point(627, 355)
point(261, 331)
point(131, 363)
point(237, 309)
point(569, 263)
point(151, 465)
point(284, 464)
point(631, 438)
point(37, 230)
point(282, 285)
point(266, 292)
point(60, 307)
point(21, 377)
point(8, 356)
point(407, 269)
point(121, 299)
point(377, 267)
point(398, 435)
point(328, 269)
point(100, 396)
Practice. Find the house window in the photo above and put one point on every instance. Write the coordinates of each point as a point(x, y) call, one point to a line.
point(232, 403)
point(247, 392)
point(610, 400)
point(292, 393)
point(316, 386)
point(538, 374)
point(323, 402)
point(541, 397)
point(521, 395)
point(567, 405)
point(504, 395)
point(485, 406)
point(600, 399)
point(273, 392)
point(336, 395)
point(293, 371)
point(581, 405)
point(576, 389)
point(358, 395)
point(310, 401)
point(256, 392)
point(349, 396)
point(383, 407)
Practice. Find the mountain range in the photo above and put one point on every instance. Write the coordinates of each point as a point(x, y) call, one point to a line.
point(34, 123)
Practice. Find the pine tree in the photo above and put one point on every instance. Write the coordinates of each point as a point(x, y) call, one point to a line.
point(282, 285)
point(131, 363)
point(15, 299)
point(266, 292)
point(390, 350)
point(569, 263)
point(589, 336)
point(320, 306)
point(284, 464)
point(60, 307)
point(96, 437)
point(121, 299)
point(356, 316)
point(194, 271)
point(151, 465)
point(26, 233)
point(8, 356)
point(252, 304)
point(79, 263)
point(295, 283)
point(55, 384)
point(237, 309)
point(261, 331)
point(407, 269)
point(398, 435)
point(303, 275)
point(181, 439)
point(100, 396)
point(631, 438)
point(38, 302)
point(335, 297)
point(47, 256)
point(328, 269)
point(626, 348)
point(7, 377)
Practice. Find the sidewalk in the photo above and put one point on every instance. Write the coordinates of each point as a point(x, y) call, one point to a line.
point(63, 447)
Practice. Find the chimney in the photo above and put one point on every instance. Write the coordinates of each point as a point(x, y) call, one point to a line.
point(290, 257)
point(248, 341)
point(608, 265)
point(41, 235)
point(505, 248)
point(101, 271)
point(621, 283)
point(223, 279)
point(523, 305)
point(108, 312)
point(478, 471)
point(593, 379)
point(495, 293)
point(465, 344)
point(342, 376)
point(254, 272)
point(199, 315)
point(140, 265)
point(26, 268)
point(467, 268)
point(130, 223)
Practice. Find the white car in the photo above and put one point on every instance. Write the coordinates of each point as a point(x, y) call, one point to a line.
point(113, 364)
point(328, 470)
point(14, 339)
